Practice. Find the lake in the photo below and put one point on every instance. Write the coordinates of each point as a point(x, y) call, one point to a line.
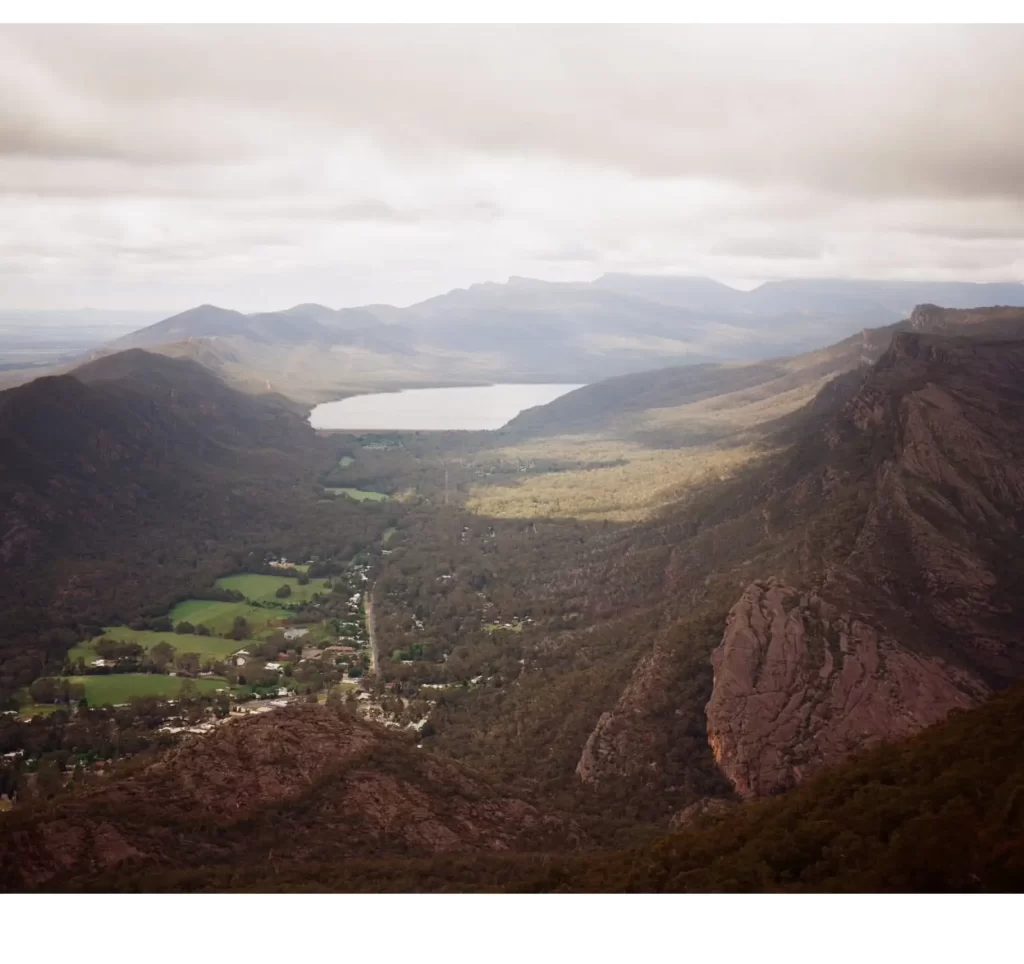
point(476, 408)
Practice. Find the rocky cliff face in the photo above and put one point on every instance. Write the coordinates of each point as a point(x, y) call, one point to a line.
point(923, 614)
point(799, 685)
point(862, 583)
point(626, 741)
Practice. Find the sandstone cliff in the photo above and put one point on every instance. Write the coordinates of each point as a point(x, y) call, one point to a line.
point(861, 582)
point(799, 685)
point(923, 614)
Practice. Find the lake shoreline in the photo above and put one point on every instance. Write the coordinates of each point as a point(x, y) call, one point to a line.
point(463, 408)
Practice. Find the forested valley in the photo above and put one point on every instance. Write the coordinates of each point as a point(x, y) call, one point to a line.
point(551, 619)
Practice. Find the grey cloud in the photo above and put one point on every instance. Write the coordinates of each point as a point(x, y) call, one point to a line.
point(772, 249)
point(348, 164)
point(374, 209)
point(575, 253)
point(857, 110)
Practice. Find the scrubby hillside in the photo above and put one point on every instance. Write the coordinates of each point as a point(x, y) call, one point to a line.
point(943, 811)
point(123, 485)
point(939, 812)
point(856, 582)
point(303, 783)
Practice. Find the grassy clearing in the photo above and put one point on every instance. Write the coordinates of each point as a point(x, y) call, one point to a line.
point(648, 479)
point(208, 647)
point(122, 687)
point(732, 412)
point(260, 588)
point(360, 495)
point(26, 712)
point(219, 617)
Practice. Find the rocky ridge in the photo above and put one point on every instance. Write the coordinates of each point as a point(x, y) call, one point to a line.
point(305, 783)
point(869, 576)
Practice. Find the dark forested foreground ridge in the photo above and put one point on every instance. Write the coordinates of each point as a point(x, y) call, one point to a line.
point(599, 638)
point(314, 802)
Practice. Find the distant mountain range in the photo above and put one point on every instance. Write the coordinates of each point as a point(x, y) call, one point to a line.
point(529, 330)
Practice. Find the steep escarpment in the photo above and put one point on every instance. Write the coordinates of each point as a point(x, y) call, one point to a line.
point(303, 783)
point(923, 471)
point(855, 585)
point(938, 812)
point(799, 685)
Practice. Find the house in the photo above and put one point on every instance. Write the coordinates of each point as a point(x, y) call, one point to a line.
point(241, 660)
point(295, 633)
point(311, 652)
point(273, 666)
point(342, 650)
point(100, 663)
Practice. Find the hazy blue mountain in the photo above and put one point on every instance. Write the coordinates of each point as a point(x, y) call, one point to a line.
point(526, 329)
point(876, 302)
point(693, 293)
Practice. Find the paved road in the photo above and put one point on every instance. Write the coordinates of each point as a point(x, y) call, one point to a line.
point(368, 605)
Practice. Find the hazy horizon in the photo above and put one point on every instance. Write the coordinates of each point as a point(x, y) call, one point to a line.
point(9, 310)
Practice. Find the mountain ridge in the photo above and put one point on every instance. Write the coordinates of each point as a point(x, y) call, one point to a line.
point(529, 329)
point(300, 781)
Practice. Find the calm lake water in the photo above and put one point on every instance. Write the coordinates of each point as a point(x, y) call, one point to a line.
point(433, 409)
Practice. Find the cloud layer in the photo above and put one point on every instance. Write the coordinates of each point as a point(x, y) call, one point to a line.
point(263, 166)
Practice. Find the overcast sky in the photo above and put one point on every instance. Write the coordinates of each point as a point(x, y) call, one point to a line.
point(259, 167)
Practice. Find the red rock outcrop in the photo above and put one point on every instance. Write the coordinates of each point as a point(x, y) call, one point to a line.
point(921, 615)
point(799, 686)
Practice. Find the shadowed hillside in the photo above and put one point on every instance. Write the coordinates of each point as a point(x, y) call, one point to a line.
point(940, 812)
point(304, 783)
point(856, 582)
point(133, 480)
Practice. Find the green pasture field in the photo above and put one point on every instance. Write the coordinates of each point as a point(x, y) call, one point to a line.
point(260, 588)
point(208, 647)
point(122, 687)
point(219, 617)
